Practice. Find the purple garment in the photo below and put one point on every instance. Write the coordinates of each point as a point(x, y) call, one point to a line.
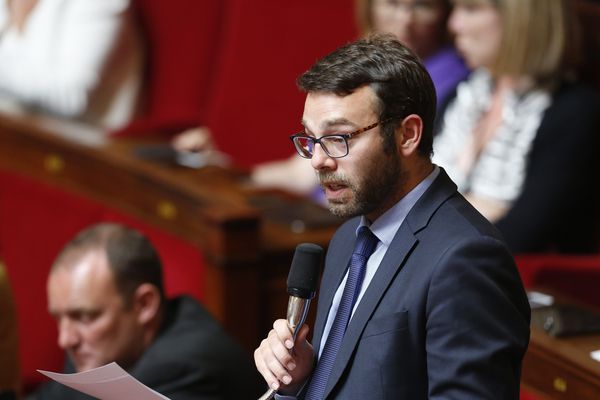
point(447, 70)
point(318, 195)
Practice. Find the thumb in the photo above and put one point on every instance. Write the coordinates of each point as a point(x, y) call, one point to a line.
point(302, 334)
point(303, 349)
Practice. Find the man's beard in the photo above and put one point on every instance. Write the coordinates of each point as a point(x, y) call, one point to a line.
point(379, 179)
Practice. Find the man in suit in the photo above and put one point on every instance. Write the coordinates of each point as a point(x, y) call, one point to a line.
point(105, 291)
point(435, 308)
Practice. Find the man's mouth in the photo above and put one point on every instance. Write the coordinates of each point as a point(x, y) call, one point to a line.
point(334, 186)
point(334, 190)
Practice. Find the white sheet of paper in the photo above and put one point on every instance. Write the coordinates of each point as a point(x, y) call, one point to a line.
point(109, 382)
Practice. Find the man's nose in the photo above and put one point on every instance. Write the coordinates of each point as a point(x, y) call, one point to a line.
point(68, 336)
point(320, 160)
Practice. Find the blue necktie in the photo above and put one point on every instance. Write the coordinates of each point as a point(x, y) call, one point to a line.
point(365, 245)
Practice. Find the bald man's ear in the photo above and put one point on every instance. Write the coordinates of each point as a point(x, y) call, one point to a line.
point(146, 301)
point(410, 132)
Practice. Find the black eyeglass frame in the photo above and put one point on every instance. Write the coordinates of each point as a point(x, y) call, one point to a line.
point(343, 136)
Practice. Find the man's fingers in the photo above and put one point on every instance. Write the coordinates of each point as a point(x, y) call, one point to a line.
point(284, 333)
point(269, 364)
point(262, 368)
point(280, 347)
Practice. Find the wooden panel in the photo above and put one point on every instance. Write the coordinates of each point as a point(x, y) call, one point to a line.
point(187, 203)
point(561, 368)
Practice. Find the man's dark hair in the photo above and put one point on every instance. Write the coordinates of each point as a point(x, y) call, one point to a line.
point(130, 256)
point(395, 74)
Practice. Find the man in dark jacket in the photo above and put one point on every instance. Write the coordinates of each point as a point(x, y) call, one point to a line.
point(106, 293)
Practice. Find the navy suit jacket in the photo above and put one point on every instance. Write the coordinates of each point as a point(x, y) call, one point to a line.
point(445, 316)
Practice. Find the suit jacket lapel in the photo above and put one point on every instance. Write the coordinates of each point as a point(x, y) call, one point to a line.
point(400, 248)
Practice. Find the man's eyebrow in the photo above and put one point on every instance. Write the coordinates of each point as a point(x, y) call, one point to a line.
point(72, 311)
point(330, 123)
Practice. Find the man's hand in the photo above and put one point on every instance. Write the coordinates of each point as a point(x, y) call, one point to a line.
point(285, 366)
point(194, 139)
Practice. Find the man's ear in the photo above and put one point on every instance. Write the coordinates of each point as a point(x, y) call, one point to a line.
point(409, 135)
point(146, 302)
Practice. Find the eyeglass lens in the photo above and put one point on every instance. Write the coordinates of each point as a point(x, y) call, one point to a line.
point(334, 146)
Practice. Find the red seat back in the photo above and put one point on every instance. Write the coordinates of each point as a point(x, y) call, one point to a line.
point(183, 39)
point(266, 46)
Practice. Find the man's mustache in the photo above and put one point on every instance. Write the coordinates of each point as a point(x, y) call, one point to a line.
point(326, 177)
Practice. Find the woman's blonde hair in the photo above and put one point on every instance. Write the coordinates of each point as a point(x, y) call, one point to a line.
point(539, 39)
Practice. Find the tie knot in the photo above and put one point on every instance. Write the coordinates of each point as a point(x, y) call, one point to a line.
point(366, 242)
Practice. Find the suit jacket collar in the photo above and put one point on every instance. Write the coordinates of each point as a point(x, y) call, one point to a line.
point(404, 241)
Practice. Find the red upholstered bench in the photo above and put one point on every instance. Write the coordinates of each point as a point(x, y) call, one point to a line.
point(576, 276)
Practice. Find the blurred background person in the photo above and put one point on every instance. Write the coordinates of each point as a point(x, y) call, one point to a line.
point(75, 59)
point(105, 291)
point(9, 358)
point(520, 136)
point(422, 26)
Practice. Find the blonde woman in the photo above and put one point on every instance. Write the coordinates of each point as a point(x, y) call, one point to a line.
point(519, 138)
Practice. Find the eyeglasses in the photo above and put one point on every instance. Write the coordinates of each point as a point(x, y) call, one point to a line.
point(335, 146)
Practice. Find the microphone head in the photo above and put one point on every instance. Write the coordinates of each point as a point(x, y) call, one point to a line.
point(304, 272)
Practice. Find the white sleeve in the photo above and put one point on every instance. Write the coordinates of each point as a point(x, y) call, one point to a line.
point(57, 61)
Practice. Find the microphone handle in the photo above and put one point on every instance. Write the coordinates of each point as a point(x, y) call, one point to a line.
point(297, 312)
point(296, 315)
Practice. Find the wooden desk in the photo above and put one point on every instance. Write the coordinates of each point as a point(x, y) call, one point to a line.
point(247, 254)
point(561, 368)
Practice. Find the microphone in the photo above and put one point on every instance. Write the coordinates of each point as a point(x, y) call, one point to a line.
point(302, 287)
